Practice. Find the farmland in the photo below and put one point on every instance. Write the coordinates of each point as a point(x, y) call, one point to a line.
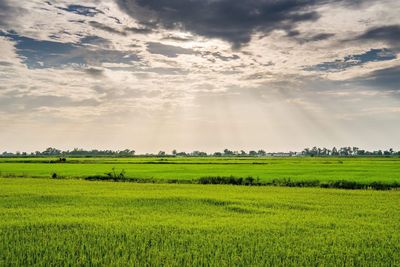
point(74, 222)
point(363, 170)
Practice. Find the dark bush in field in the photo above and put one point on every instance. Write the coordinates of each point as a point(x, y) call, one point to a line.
point(229, 180)
point(288, 182)
point(344, 185)
point(355, 185)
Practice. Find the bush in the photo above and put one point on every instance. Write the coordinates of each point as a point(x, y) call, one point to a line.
point(229, 180)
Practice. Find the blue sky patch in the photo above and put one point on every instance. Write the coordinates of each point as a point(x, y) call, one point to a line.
point(82, 10)
point(48, 54)
point(373, 55)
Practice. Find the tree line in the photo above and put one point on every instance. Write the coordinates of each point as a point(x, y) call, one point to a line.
point(347, 151)
point(313, 152)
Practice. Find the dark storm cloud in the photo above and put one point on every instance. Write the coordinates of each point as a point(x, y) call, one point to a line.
point(49, 54)
point(373, 55)
point(167, 50)
point(233, 21)
point(389, 34)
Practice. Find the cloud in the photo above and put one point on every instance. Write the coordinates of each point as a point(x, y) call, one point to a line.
point(222, 57)
point(142, 30)
point(5, 64)
point(8, 13)
point(94, 72)
point(389, 34)
point(28, 103)
point(232, 21)
point(167, 50)
point(93, 40)
point(388, 78)
point(106, 28)
point(101, 62)
point(309, 38)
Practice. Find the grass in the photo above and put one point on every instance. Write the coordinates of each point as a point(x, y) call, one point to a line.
point(74, 222)
point(69, 222)
point(361, 170)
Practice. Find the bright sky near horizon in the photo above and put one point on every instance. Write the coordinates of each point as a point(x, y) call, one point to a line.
point(154, 75)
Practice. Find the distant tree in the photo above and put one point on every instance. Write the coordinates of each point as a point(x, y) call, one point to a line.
point(314, 151)
point(261, 153)
point(360, 152)
point(252, 153)
point(306, 151)
point(198, 154)
point(228, 152)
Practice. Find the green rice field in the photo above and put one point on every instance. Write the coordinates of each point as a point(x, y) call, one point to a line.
point(70, 221)
point(386, 170)
point(48, 222)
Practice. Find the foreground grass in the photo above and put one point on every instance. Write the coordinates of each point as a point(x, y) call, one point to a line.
point(71, 222)
point(361, 170)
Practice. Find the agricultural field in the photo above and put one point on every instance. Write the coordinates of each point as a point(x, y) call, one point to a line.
point(362, 170)
point(71, 220)
point(51, 222)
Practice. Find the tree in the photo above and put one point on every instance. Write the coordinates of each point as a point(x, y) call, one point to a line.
point(261, 153)
point(252, 153)
point(306, 151)
point(228, 152)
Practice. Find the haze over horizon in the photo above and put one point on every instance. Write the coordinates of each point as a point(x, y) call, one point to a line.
point(206, 75)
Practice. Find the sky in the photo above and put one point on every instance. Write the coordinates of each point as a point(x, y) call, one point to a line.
point(151, 75)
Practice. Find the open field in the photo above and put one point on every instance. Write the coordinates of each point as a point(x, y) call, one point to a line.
point(72, 222)
point(362, 170)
